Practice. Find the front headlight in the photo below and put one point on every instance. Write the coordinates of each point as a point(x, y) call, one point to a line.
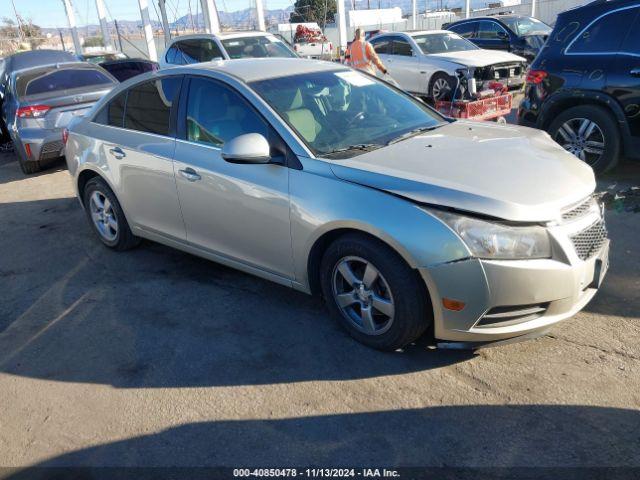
point(498, 241)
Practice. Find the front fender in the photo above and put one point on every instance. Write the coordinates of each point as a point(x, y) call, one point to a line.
point(322, 203)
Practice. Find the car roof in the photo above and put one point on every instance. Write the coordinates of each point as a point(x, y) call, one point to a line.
point(222, 35)
point(35, 58)
point(252, 69)
point(414, 33)
point(599, 6)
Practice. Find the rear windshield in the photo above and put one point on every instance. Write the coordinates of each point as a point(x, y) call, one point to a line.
point(253, 47)
point(34, 83)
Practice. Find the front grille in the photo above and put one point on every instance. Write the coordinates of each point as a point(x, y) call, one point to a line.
point(579, 210)
point(589, 241)
point(51, 150)
point(510, 315)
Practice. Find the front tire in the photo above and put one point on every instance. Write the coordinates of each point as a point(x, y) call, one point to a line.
point(441, 87)
point(106, 216)
point(590, 133)
point(373, 293)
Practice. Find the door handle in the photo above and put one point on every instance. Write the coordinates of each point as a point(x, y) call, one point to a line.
point(635, 72)
point(117, 152)
point(190, 174)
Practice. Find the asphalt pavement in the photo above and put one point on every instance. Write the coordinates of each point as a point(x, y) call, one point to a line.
point(154, 357)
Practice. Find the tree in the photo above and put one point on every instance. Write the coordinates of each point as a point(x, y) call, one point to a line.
point(313, 11)
point(93, 42)
point(25, 31)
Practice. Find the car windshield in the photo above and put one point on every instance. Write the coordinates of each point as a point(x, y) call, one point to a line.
point(443, 43)
point(44, 81)
point(340, 114)
point(526, 26)
point(256, 47)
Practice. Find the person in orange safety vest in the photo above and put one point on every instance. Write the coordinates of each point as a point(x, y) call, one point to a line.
point(362, 56)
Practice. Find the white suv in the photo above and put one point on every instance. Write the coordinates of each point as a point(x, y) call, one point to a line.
point(199, 48)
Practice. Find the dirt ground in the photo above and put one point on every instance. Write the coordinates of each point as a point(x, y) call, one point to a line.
point(153, 357)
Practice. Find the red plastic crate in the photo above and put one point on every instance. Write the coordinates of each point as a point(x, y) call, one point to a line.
point(485, 109)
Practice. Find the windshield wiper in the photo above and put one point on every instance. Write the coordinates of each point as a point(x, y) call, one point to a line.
point(365, 147)
point(412, 133)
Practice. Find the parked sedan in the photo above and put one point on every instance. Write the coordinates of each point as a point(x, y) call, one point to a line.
point(41, 101)
point(517, 34)
point(23, 60)
point(327, 180)
point(199, 48)
point(439, 64)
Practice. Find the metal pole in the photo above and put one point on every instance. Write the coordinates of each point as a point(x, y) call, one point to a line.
point(104, 26)
point(148, 31)
point(210, 13)
point(467, 8)
point(71, 18)
point(115, 23)
point(62, 40)
point(414, 14)
point(165, 21)
point(342, 27)
point(260, 15)
point(533, 8)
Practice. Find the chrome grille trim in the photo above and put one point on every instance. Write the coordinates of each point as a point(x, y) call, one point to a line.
point(590, 240)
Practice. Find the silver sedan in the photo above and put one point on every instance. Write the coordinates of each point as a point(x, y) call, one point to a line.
point(329, 181)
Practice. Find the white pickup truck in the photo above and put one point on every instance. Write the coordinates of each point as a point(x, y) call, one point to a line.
point(307, 39)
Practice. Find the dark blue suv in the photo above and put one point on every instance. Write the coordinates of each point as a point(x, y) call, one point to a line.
point(584, 85)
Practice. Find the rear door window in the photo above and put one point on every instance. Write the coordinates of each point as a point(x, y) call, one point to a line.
point(465, 30)
point(115, 110)
point(148, 106)
point(196, 50)
point(35, 83)
point(605, 34)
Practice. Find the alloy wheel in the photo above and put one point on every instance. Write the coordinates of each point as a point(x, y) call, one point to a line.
point(103, 216)
point(363, 295)
point(440, 88)
point(583, 138)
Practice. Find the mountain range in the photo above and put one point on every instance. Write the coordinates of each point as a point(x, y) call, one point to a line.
point(246, 19)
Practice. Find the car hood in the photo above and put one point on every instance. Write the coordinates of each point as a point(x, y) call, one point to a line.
point(478, 58)
point(507, 172)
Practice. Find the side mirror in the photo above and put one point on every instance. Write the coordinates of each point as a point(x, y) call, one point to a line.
point(247, 148)
point(503, 36)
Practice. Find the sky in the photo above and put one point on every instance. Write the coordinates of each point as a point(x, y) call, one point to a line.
point(51, 13)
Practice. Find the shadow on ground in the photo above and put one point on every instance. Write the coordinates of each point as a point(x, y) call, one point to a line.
point(482, 435)
point(76, 311)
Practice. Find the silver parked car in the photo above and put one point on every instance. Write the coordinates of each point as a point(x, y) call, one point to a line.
point(205, 47)
point(327, 180)
point(40, 102)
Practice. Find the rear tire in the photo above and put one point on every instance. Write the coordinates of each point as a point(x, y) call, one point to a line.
point(373, 293)
point(106, 217)
point(570, 130)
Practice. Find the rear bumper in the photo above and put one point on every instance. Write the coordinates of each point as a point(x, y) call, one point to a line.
point(528, 296)
point(43, 144)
